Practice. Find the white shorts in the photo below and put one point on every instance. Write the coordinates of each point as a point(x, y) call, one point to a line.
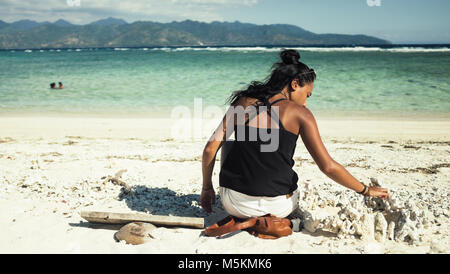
point(244, 206)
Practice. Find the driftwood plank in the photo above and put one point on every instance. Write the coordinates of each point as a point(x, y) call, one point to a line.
point(125, 218)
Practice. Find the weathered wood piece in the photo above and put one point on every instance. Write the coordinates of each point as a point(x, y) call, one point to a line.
point(125, 218)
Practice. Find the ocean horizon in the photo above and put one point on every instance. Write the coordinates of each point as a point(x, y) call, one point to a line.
point(388, 47)
point(402, 80)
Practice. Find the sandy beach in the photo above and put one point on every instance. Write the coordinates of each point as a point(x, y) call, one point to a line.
point(51, 168)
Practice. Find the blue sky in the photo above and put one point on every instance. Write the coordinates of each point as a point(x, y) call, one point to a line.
point(400, 21)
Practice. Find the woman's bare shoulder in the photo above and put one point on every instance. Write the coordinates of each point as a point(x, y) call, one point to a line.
point(300, 112)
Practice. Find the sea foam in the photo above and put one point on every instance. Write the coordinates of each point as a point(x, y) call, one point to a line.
point(313, 49)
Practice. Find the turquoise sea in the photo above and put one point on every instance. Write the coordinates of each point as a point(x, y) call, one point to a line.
point(127, 81)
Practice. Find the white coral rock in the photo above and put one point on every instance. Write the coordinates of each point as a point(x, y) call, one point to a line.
point(380, 227)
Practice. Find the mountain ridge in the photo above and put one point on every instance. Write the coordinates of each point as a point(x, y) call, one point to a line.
point(113, 32)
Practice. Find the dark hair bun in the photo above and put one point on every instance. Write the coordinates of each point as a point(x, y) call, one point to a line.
point(290, 56)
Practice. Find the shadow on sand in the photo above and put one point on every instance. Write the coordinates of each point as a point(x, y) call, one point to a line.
point(164, 201)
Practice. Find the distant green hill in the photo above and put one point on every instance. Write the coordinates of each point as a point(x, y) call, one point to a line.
point(109, 22)
point(113, 32)
point(63, 23)
point(3, 24)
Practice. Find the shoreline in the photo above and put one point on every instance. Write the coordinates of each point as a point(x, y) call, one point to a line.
point(157, 128)
point(166, 113)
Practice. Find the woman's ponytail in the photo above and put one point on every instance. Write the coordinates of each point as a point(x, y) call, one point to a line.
point(283, 73)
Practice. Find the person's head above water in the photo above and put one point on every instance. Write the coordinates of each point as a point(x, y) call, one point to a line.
point(60, 85)
point(290, 77)
point(52, 85)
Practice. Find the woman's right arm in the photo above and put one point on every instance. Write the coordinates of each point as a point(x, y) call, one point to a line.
point(313, 142)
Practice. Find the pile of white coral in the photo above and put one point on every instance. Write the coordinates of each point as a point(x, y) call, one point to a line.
point(351, 215)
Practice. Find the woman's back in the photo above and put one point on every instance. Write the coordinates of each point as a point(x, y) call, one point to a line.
point(260, 161)
point(284, 113)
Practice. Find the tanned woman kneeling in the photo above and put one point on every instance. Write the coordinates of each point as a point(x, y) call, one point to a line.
point(256, 176)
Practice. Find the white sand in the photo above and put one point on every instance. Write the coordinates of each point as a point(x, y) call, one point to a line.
point(51, 168)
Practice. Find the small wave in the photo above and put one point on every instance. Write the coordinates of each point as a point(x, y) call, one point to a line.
point(162, 49)
point(28, 50)
point(419, 49)
point(244, 49)
point(226, 49)
point(186, 49)
point(332, 49)
point(78, 50)
point(121, 49)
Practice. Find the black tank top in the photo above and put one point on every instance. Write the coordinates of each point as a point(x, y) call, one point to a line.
point(248, 170)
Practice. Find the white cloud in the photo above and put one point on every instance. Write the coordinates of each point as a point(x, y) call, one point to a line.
point(132, 10)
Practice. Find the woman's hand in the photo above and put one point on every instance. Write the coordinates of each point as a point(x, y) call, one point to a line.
point(207, 198)
point(378, 192)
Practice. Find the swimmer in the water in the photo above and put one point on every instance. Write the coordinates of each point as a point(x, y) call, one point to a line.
point(53, 86)
point(61, 86)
